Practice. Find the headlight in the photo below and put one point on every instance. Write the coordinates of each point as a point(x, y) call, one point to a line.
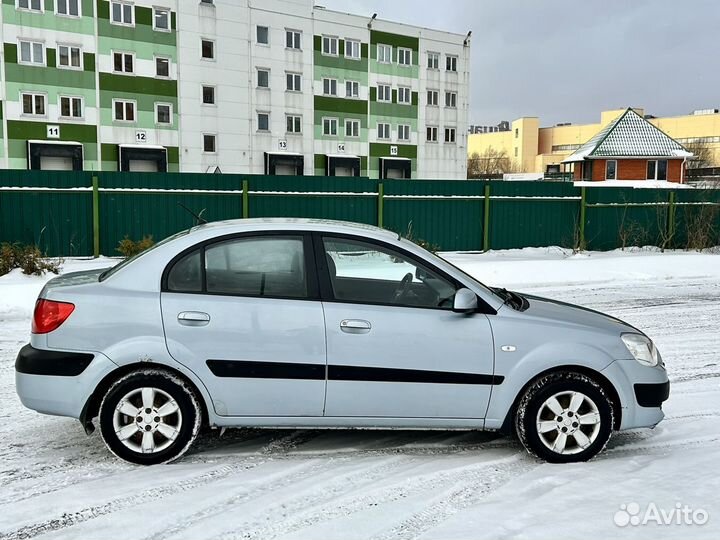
point(642, 348)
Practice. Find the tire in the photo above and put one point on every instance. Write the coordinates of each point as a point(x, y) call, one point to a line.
point(150, 435)
point(574, 427)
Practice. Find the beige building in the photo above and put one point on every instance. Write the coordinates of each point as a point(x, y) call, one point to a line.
point(531, 148)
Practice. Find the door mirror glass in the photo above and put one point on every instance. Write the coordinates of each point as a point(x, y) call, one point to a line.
point(465, 301)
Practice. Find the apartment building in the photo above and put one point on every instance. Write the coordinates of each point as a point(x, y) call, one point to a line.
point(272, 87)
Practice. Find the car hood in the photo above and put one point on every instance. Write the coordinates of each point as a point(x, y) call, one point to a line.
point(572, 315)
point(74, 278)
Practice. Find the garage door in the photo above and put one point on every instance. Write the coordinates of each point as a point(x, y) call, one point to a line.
point(142, 165)
point(54, 163)
point(343, 171)
point(395, 173)
point(285, 169)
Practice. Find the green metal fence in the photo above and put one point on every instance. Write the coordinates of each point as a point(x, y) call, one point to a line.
point(84, 213)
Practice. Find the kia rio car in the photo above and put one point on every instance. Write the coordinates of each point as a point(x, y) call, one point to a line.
point(320, 324)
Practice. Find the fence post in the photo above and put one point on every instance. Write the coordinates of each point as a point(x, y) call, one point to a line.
point(486, 219)
point(245, 200)
point(96, 216)
point(671, 218)
point(380, 204)
point(583, 208)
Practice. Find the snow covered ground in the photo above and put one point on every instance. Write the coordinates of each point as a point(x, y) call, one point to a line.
point(57, 483)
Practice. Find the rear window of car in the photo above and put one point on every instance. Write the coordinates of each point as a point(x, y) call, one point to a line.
point(122, 264)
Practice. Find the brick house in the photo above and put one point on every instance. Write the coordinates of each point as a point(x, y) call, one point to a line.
point(629, 148)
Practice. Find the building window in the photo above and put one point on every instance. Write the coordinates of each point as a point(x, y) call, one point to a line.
point(384, 92)
point(209, 143)
point(431, 133)
point(352, 89)
point(330, 87)
point(330, 126)
point(330, 45)
point(161, 19)
point(263, 121)
point(207, 49)
point(657, 169)
point(293, 123)
point(352, 128)
point(352, 49)
point(32, 52)
point(33, 104)
point(292, 39)
point(294, 82)
point(450, 63)
point(69, 56)
point(122, 13)
point(516, 151)
point(124, 110)
point(162, 66)
point(208, 95)
point(383, 131)
point(263, 78)
point(32, 5)
point(262, 34)
point(70, 107)
point(403, 132)
point(451, 99)
point(69, 8)
point(433, 97)
point(123, 62)
point(384, 54)
point(163, 113)
point(449, 134)
point(404, 95)
point(404, 56)
point(517, 132)
point(433, 60)
point(611, 169)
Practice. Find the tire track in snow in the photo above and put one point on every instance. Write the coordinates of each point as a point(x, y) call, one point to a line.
point(328, 503)
point(281, 444)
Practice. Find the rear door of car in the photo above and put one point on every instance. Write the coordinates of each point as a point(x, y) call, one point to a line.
point(395, 347)
point(243, 312)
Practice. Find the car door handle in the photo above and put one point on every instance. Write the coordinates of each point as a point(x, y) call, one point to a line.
point(355, 326)
point(193, 318)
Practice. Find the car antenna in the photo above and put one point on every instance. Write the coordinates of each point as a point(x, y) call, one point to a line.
point(200, 220)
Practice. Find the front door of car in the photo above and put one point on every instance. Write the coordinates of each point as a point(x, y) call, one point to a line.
point(244, 314)
point(395, 348)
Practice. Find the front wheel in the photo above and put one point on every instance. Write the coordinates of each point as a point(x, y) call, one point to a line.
point(564, 417)
point(149, 417)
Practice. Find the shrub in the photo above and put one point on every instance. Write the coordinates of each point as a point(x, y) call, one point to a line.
point(130, 248)
point(28, 258)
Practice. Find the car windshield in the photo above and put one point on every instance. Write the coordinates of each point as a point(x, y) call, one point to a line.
point(122, 264)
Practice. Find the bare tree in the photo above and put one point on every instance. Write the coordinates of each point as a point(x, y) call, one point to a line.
point(490, 161)
point(703, 154)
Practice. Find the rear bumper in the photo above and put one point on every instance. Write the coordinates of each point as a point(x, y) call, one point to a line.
point(58, 382)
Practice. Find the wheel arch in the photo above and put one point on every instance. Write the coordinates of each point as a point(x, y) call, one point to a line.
point(91, 409)
point(599, 378)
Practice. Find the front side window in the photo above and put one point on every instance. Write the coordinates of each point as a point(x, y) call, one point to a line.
point(367, 273)
point(260, 266)
point(610, 169)
point(122, 13)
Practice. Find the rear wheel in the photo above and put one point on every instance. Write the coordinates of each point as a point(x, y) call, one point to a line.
point(149, 417)
point(564, 417)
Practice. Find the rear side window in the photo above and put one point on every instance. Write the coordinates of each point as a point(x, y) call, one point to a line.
point(186, 274)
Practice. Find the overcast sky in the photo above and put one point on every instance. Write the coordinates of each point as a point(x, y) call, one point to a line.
point(566, 60)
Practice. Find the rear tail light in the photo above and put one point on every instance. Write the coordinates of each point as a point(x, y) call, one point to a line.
point(49, 315)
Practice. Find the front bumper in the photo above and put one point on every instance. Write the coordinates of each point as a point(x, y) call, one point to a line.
point(58, 382)
point(641, 390)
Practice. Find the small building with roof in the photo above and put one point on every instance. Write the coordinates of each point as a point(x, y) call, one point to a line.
point(629, 148)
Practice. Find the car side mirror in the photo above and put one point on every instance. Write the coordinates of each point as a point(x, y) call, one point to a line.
point(465, 301)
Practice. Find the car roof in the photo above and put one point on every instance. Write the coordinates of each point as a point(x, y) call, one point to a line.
point(292, 224)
